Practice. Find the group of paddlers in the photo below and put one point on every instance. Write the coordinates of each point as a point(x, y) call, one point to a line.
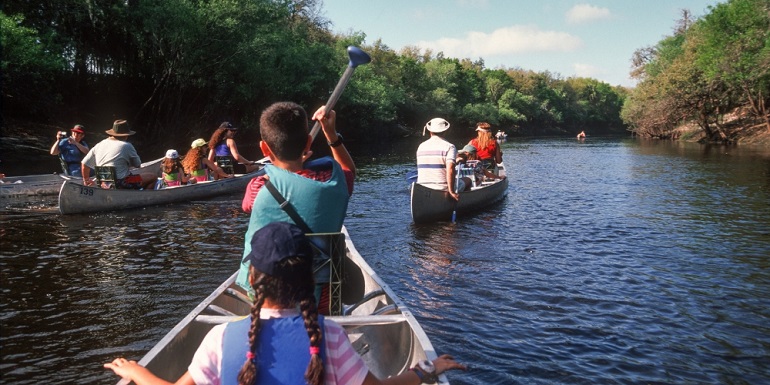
point(204, 160)
point(440, 166)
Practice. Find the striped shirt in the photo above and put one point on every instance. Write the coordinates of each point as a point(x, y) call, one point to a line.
point(433, 156)
point(342, 365)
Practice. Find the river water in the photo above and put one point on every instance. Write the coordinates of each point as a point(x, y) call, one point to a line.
point(610, 261)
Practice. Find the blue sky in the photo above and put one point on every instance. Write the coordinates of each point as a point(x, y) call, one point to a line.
point(570, 38)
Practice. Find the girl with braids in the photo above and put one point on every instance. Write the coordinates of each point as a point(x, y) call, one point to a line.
point(222, 144)
point(284, 340)
point(197, 164)
point(487, 147)
point(173, 172)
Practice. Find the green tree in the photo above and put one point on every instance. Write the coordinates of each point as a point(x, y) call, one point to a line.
point(29, 70)
point(734, 50)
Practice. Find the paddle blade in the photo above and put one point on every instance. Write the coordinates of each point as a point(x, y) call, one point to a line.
point(357, 57)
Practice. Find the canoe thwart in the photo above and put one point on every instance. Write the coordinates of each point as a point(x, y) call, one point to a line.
point(348, 320)
point(366, 298)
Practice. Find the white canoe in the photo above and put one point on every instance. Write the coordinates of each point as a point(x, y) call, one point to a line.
point(429, 205)
point(76, 198)
point(31, 185)
point(47, 184)
point(380, 327)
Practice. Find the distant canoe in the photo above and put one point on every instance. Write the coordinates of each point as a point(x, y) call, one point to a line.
point(429, 205)
point(31, 185)
point(76, 198)
point(45, 184)
point(381, 328)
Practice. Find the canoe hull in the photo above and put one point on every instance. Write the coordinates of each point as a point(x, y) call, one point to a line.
point(31, 185)
point(429, 205)
point(49, 184)
point(76, 198)
point(380, 327)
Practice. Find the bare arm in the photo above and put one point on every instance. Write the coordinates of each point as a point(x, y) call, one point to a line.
point(213, 167)
point(234, 150)
point(450, 180)
point(329, 126)
point(55, 147)
point(140, 375)
point(79, 145)
point(443, 363)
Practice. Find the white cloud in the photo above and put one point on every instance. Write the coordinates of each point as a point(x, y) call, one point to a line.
point(508, 40)
point(583, 13)
point(587, 70)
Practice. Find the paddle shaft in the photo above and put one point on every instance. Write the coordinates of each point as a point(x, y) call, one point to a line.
point(357, 57)
point(341, 84)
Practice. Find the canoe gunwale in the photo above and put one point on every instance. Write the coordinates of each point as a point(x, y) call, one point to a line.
point(398, 318)
point(76, 198)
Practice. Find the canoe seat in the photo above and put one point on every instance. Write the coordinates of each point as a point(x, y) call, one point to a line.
point(226, 164)
point(328, 266)
point(105, 177)
point(366, 298)
point(466, 170)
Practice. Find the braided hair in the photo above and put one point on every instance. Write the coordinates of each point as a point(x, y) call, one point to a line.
point(294, 286)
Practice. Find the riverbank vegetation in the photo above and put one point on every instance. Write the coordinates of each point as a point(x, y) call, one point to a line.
point(178, 67)
point(713, 72)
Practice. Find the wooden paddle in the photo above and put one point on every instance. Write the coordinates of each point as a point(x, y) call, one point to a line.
point(356, 57)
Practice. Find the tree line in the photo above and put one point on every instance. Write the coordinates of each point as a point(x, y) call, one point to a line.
point(710, 71)
point(180, 67)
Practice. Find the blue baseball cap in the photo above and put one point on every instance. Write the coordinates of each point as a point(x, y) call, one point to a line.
point(276, 242)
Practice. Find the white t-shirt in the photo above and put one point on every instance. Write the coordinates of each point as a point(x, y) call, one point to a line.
point(433, 156)
point(113, 152)
point(342, 365)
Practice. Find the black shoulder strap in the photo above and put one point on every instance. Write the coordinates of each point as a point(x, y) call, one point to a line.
point(287, 207)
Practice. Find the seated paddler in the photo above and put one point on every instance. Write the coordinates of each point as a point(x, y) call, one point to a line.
point(316, 191)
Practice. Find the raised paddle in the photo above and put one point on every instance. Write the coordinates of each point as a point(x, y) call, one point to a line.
point(356, 57)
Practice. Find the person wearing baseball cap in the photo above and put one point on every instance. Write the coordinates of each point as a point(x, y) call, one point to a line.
point(283, 340)
point(436, 159)
point(197, 164)
point(173, 172)
point(71, 149)
point(224, 150)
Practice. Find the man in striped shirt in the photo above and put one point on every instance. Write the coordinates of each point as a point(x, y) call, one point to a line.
point(436, 159)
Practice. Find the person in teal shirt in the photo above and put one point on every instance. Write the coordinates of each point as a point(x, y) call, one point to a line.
point(318, 190)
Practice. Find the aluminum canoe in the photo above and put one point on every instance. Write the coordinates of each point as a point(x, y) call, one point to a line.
point(381, 328)
point(45, 184)
point(31, 185)
point(76, 198)
point(429, 205)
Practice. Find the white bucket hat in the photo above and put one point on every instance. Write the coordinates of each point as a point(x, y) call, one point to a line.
point(172, 154)
point(436, 125)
